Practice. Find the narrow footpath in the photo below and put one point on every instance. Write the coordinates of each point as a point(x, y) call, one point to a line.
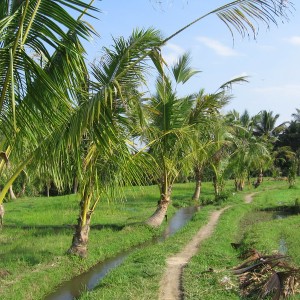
point(249, 197)
point(170, 286)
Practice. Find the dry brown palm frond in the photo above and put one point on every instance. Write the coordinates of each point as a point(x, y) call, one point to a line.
point(267, 276)
point(251, 255)
point(273, 285)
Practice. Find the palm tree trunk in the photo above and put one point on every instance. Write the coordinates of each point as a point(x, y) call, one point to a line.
point(22, 192)
point(236, 184)
point(11, 193)
point(241, 184)
point(259, 179)
point(48, 190)
point(1, 215)
point(216, 186)
point(82, 229)
point(75, 185)
point(198, 176)
point(159, 215)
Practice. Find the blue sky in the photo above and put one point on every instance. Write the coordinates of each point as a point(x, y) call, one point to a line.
point(271, 61)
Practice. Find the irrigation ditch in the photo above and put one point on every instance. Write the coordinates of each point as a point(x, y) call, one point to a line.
point(88, 280)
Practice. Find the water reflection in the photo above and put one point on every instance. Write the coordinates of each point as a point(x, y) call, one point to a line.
point(72, 289)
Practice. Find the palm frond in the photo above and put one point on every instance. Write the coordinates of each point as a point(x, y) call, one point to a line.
point(245, 16)
point(182, 71)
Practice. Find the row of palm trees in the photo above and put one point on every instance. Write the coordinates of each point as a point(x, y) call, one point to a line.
point(69, 123)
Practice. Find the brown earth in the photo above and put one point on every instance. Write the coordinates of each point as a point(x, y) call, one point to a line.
point(170, 286)
point(249, 198)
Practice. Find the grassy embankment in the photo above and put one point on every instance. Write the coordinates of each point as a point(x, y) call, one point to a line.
point(140, 275)
point(254, 228)
point(35, 256)
point(38, 232)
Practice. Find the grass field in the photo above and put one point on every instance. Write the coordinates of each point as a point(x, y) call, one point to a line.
point(38, 232)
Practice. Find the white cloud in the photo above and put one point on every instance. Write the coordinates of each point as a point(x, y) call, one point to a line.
point(294, 40)
point(171, 53)
point(218, 47)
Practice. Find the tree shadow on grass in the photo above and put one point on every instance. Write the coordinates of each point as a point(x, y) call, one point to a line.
point(25, 255)
point(284, 210)
point(43, 230)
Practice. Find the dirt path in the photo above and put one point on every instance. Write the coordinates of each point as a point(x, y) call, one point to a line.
point(170, 286)
point(249, 197)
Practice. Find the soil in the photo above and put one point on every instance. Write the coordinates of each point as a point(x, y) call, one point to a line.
point(249, 198)
point(170, 286)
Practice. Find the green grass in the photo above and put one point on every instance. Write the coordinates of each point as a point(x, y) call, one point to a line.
point(208, 275)
point(38, 231)
point(139, 276)
point(266, 235)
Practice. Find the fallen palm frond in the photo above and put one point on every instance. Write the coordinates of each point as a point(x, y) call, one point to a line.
point(264, 276)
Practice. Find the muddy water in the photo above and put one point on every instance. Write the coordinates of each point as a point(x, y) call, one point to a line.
point(72, 289)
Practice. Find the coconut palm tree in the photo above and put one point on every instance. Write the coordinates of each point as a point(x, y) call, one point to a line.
point(265, 125)
point(205, 133)
point(296, 115)
point(40, 64)
point(35, 25)
point(207, 138)
point(248, 153)
point(173, 129)
point(95, 141)
point(168, 132)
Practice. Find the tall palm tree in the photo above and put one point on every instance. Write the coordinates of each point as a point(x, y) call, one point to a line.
point(265, 125)
point(168, 132)
point(296, 115)
point(40, 64)
point(173, 127)
point(248, 153)
point(95, 141)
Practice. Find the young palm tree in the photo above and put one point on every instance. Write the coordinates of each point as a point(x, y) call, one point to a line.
point(207, 119)
point(173, 130)
point(248, 153)
point(296, 115)
point(95, 141)
point(205, 116)
point(265, 125)
point(168, 133)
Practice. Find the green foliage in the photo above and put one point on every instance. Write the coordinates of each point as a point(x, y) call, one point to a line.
point(292, 174)
point(222, 197)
